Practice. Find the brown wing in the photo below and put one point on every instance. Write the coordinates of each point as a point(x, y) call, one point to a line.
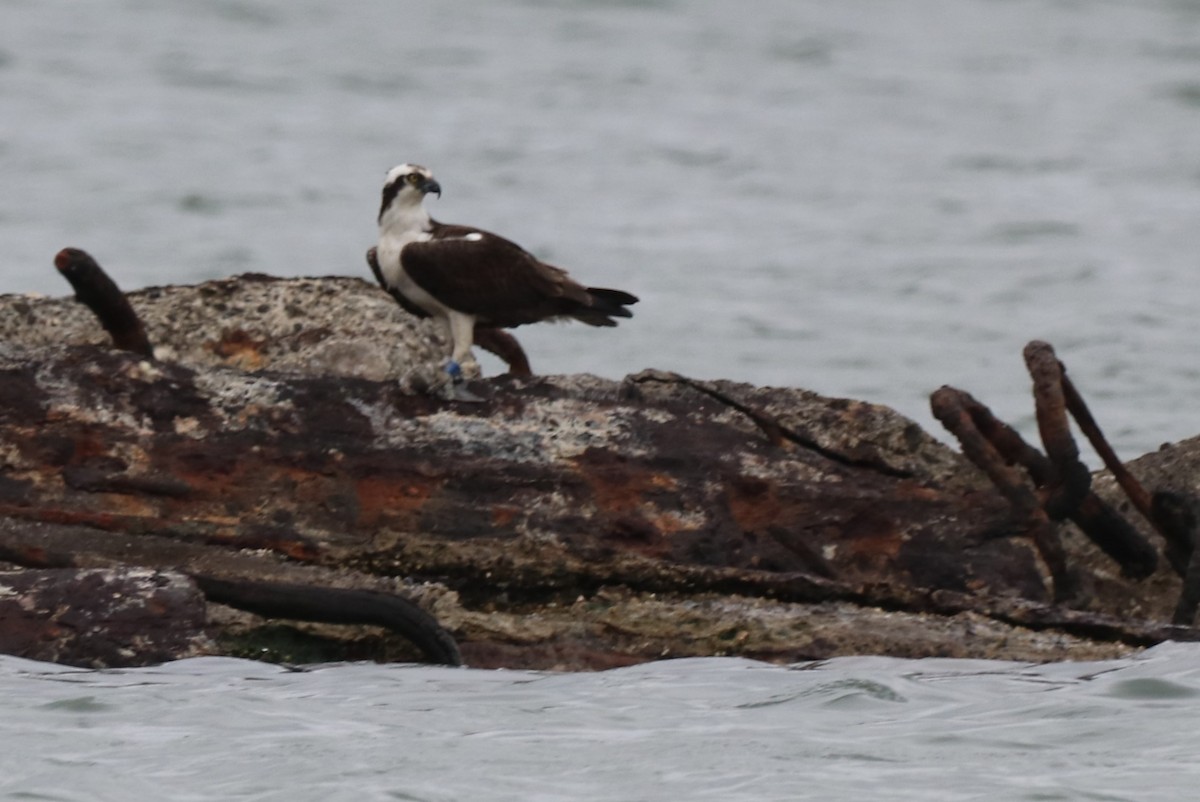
point(490, 339)
point(490, 277)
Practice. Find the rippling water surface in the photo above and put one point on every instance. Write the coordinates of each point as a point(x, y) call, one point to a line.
point(869, 198)
point(703, 729)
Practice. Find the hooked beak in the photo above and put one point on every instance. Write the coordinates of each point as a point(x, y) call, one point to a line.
point(431, 186)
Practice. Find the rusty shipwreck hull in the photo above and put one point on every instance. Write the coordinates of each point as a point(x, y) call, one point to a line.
point(334, 469)
point(567, 521)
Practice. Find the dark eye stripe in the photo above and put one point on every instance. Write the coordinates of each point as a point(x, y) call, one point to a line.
point(389, 194)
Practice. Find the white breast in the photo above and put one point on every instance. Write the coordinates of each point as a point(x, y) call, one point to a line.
point(388, 254)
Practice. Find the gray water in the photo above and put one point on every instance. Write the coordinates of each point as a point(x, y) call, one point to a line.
point(718, 729)
point(868, 198)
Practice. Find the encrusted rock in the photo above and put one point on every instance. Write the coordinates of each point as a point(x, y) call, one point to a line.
point(326, 326)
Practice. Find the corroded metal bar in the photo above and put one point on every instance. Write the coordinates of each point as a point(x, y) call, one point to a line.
point(962, 416)
point(959, 412)
point(1071, 496)
point(1072, 481)
point(99, 293)
point(1009, 443)
point(1160, 510)
point(1087, 424)
point(336, 606)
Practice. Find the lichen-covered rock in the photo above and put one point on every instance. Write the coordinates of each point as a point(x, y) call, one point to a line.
point(327, 326)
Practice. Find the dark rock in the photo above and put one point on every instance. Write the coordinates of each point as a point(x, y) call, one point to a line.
point(101, 618)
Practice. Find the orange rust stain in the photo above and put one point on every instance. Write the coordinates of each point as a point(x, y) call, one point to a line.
point(239, 349)
point(504, 515)
point(753, 504)
point(381, 498)
point(294, 546)
point(88, 442)
point(629, 497)
point(254, 489)
point(303, 484)
point(114, 504)
point(873, 536)
point(124, 505)
point(668, 523)
point(297, 550)
point(914, 491)
point(57, 515)
point(662, 481)
point(244, 483)
point(623, 490)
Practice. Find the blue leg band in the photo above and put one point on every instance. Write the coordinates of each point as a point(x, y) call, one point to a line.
point(454, 369)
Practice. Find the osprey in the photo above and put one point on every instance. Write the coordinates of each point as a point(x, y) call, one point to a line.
point(463, 277)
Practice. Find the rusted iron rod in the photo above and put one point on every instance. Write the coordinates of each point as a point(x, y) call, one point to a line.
point(1137, 494)
point(990, 444)
point(1116, 537)
point(336, 606)
point(997, 448)
point(961, 414)
point(99, 293)
point(1178, 533)
point(1072, 481)
point(1141, 498)
point(1071, 495)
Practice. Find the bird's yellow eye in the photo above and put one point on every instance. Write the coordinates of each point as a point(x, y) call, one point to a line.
point(413, 178)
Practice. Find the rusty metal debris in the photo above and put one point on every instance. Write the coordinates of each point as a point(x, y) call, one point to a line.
point(997, 449)
point(99, 293)
point(1061, 484)
point(336, 606)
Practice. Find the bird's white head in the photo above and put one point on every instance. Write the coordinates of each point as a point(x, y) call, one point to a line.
point(404, 188)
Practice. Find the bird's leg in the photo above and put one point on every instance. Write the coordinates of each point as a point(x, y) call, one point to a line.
point(461, 330)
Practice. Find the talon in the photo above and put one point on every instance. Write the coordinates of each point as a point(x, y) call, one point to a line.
point(457, 391)
point(470, 368)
